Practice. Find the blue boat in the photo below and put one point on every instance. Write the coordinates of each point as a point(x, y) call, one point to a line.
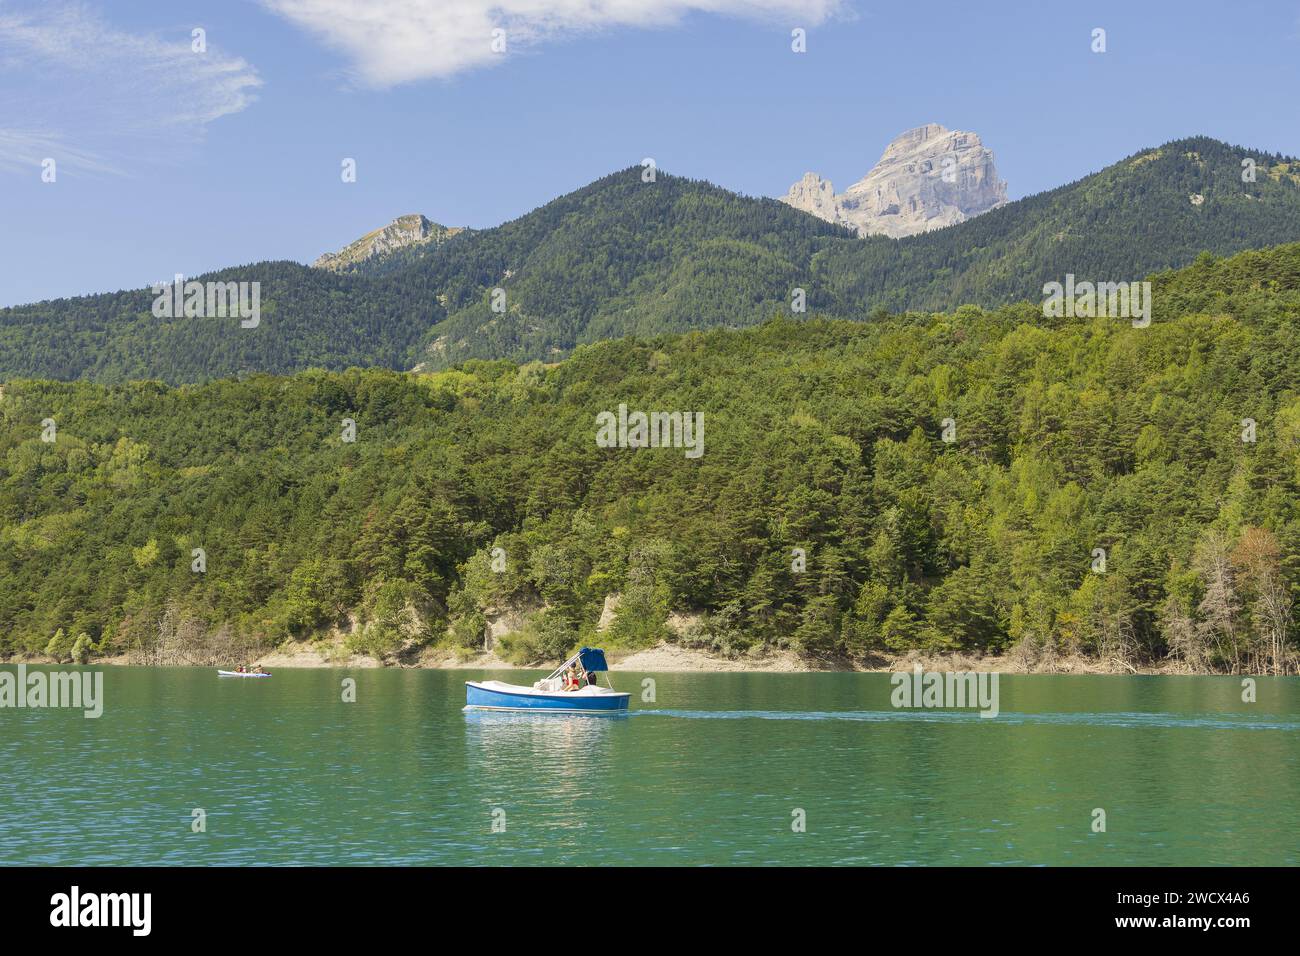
point(549, 695)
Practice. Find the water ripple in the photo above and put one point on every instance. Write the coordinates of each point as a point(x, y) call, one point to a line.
point(1126, 720)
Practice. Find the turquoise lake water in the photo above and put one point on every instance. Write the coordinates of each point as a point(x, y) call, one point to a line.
point(718, 769)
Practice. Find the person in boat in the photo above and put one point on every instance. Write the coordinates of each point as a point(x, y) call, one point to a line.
point(571, 678)
point(239, 669)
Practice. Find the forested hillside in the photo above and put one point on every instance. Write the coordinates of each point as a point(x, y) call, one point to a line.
point(627, 257)
point(1099, 494)
point(309, 318)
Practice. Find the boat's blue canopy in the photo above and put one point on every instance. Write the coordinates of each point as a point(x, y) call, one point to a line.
point(593, 659)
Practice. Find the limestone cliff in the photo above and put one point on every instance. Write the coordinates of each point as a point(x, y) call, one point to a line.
point(928, 178)
point(401, 232)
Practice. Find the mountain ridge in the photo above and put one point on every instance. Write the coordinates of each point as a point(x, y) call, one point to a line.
point(625, 257)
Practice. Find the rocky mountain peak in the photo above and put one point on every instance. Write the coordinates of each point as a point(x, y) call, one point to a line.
point(408, 230)
point(927, 178)
point(815, 195)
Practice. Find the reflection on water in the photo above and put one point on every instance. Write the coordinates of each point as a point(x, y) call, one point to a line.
point(541, 767)
point(566, 747)
point(535, 717)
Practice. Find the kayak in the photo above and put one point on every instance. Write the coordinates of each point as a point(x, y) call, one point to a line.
point(238, 674)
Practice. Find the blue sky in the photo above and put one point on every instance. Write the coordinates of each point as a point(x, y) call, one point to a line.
point(170, 161)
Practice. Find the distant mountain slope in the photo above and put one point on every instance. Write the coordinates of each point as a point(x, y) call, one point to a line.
point(619, 257)
point(622, 256)
point(1154, 210)
point(310, 318)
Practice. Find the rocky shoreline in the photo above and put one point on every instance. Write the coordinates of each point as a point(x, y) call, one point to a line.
point(673, 658)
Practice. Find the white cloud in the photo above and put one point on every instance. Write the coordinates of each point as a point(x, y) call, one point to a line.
point(399, 41)
point(74, 85)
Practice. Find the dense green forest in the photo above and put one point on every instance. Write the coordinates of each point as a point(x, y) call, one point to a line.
point(978, 481)
point(622, 256)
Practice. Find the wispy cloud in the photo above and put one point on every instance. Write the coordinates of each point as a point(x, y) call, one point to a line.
point(399, 41)
point(23, 150)
point(74, 87)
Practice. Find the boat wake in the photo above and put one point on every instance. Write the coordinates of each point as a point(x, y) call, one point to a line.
point(1225, 721)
